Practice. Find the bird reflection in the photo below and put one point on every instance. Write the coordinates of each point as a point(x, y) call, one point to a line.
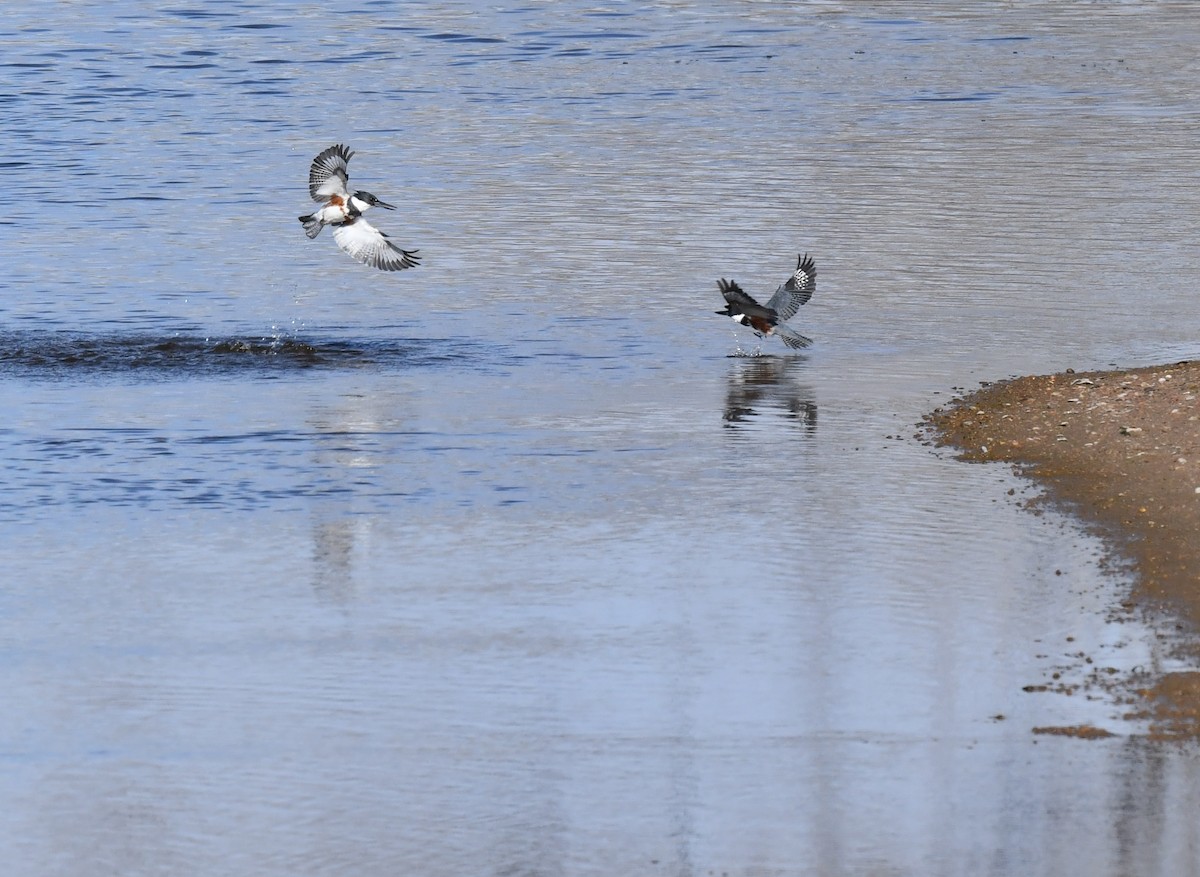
point(333, 558)
point(762, 384)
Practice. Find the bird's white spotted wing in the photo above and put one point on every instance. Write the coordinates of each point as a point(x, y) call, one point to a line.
point(329, 173)
point(796, 291)
point(367, 244)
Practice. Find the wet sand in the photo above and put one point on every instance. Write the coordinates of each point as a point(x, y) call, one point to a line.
point(1121, 449)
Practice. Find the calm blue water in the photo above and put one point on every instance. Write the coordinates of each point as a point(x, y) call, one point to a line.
point(508, 564)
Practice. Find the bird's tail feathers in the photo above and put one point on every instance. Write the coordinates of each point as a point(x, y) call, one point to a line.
point(312, 225)
point(791, 337)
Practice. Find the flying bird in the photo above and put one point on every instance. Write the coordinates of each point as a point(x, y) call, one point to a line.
point(769, 319)
point(343, 209)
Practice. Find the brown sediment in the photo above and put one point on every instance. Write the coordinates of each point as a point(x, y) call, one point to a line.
point(1084, 732)
point(1173, 706)
point(1121, 449)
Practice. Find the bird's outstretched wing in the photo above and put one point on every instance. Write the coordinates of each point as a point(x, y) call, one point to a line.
point(329, 172)
point(791, 337)
point(796, 291)
point(741, 300)
point(367, 244)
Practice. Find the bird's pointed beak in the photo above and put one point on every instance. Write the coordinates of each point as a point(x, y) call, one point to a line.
point(385, 204)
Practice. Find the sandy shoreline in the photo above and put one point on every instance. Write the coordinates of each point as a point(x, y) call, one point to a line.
point(1121, 449)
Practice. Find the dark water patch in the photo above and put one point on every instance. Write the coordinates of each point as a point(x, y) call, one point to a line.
point(197, 13)
point(601, 35)
point(355, 57)
point(66, 355)
point(179, 66)
point(127, 91)
point(461, 38)
point(753, 31)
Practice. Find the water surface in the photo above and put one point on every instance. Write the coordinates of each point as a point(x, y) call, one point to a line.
point(510, 563)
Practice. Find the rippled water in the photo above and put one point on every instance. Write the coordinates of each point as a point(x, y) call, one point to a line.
point(510, 563)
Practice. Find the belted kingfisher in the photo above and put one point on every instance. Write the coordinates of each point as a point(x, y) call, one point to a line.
point(769, 319)
point(343, 210)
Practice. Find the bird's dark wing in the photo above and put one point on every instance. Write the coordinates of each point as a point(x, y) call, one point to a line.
point(741, 302)
point(796, 291)
point(329, 173)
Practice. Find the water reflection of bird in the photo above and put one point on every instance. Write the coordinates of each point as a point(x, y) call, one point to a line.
point(769, 319)
point(343, 209)
point(756, 383)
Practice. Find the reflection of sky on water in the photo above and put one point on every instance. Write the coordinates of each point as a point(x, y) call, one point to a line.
point(505, 565)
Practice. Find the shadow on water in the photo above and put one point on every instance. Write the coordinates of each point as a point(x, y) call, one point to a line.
point(58, 355)
point(769, 385)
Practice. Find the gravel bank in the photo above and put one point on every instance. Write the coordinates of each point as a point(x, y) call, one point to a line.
point(1121, 449)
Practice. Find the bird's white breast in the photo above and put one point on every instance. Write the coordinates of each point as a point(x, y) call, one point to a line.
point(332, 214)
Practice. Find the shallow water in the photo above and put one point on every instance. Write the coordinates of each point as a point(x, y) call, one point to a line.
point(508, 564)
